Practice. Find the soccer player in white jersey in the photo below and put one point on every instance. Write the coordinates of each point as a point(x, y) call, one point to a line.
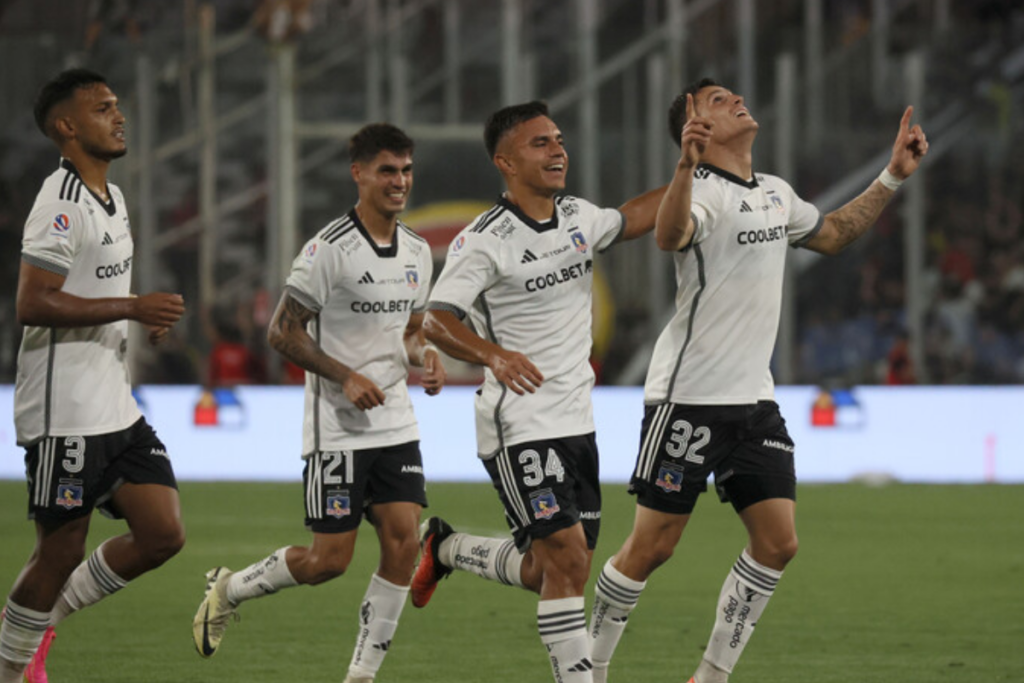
point(87, 445)
point(351, 316)
point(524, 272)
point(709, 391)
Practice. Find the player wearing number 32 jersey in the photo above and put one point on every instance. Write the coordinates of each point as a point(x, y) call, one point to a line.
point(709, 394)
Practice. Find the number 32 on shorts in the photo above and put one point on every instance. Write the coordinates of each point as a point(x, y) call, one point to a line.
point(533, 473)
point(679, 445)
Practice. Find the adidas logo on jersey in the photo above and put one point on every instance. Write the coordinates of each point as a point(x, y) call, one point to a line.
point(745, 208)
point(106, 239)
point(528, 257)
point(366, 279)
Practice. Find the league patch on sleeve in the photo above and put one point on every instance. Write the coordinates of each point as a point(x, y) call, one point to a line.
point(61, 225)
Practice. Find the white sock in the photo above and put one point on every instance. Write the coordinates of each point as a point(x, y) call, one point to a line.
point(21, 632)
point(91, 581)
point(496, 559)
point(265, 577)
point(563, 630)
point(615, 596)
point(378, 620)
point(744, 596)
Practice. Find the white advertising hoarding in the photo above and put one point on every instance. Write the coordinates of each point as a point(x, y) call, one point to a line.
point(910, 434)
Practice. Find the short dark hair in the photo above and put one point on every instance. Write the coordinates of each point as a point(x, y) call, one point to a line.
point(677, 112)
point(374, 138)
point(504, 120)
point(61, 88)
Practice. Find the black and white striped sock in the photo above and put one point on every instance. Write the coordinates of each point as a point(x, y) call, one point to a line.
point(615, 596)
point(562, 625)
point(21, 632)
point(91, 581)
point(743, 598)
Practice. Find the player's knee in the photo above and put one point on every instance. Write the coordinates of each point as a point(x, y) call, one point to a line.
point(571, 566)
point(324, 567)
point(777, 553)
point(161, 545)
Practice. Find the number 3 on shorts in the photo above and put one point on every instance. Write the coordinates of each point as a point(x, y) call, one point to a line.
point(533, 475)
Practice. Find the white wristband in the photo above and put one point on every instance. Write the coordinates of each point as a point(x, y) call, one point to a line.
point(889, 180)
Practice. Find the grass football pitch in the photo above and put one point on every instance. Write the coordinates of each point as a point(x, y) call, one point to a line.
point(901, 584)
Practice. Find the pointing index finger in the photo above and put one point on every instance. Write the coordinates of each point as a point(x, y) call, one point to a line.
point(905, 121)
point(689, 106)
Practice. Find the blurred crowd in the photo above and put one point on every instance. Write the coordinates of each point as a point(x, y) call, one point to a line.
point(851, 310)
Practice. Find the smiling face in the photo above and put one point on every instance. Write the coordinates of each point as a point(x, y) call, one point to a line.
point(384, 182)
point(91, 120)
point(532, 156)
point(726, 109)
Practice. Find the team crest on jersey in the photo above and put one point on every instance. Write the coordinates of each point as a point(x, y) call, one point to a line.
point(544, 504)
point(579, 242)
point(777, 203)
point(670, 479)
point(339, 504)
point(61, 223)
point(69, 494)
point(412, 278)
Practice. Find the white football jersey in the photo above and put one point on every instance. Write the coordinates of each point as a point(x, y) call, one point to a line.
point(75, 381)
point(718, 345)
point(363, 295)
point(527, 287)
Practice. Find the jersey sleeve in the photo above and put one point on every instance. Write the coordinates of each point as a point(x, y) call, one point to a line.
point(470, 269)
point(53, 235)
point(313, 273)
point(607, 227)
point(426, 276)
point(805, 220)
point(705, 208)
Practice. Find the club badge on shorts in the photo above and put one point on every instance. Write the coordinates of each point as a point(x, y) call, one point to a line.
point(339, 504)
point(69, 493)
point(544, 504)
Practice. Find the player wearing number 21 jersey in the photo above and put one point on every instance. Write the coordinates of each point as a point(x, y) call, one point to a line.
point(351, 316)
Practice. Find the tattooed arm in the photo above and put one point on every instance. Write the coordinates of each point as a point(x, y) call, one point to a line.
point(288, 336)
point(847, 223)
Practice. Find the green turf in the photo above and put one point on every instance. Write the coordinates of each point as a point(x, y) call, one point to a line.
point(902, 584)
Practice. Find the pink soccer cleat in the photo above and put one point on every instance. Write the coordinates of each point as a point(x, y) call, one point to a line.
point(35, 672)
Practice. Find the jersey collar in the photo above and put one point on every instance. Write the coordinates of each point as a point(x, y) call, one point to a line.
point(389, 251)
point(110, 207)
point(534, 225)
point(749, 184)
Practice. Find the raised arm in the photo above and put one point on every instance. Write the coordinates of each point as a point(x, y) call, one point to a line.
point(640, 213)
point(41, 302)
point(513, 369)
point(288, 336)
point(423, 355)
point(674, 227)
point(847, 223)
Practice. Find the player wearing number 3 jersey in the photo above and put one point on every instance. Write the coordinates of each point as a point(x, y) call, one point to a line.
point(523, 273)
point(709, 392)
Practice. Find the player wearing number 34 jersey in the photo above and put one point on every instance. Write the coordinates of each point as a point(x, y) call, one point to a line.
point(523, 273)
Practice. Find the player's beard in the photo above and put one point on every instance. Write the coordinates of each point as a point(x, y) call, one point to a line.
point(97, 152)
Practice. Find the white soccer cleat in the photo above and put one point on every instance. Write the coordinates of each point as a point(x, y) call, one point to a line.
point(215, 611)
